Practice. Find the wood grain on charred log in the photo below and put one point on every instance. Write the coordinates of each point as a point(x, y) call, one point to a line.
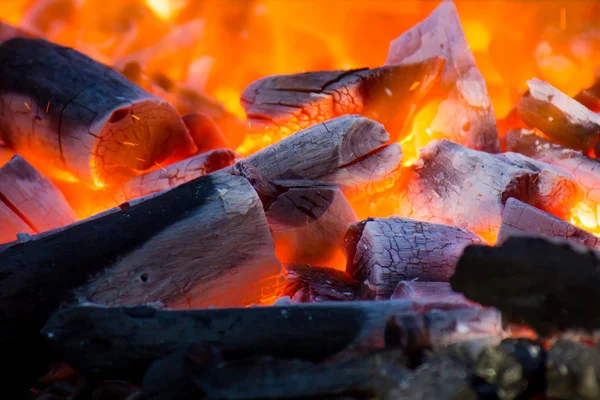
point(281, 105)
point(384, 251)
point(466, 114)
point(559, 116)
point(61, 106)
point(349, 151)
point(547, 283)
point(519, 218)
point(454, 185)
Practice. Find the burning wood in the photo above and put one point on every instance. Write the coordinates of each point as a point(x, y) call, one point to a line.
point(548, 294)
point(29, 203)
point(430, 291)
point(559, 116)
point(63, 107)
point(383, 251)
point(343, 151)
point(283, 104)
point(466, 114)
point(205, 132)
point(519, 218)
point(308, 220)
point(454, 185)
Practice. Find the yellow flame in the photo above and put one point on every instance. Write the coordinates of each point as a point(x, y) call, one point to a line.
point(166, 9)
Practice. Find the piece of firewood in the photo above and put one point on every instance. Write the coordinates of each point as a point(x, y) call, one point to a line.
point(455, 185)
point(350, 151)
point(281, 105)
point(519, 218)
point(430, 291)
point(590, 97)
point(313, 284)
point(30, 197)
point(559, 116)
point(308, 220)
point(572, 371)
point(62, 107)
point(134, 337)
point(205, 132)
point(549, 284)
point(384, 251)
point(465, 115)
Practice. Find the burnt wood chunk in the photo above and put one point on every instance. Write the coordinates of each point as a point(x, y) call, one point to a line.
point(281, 105)
point(465, 115)
point(308, 220)
point(30, 202)
point(61, 107)
point(559, 116)
point(573, 371)
point(313, 284)
point(384, 251)
point(557, 283)
point(343, 151)
point(455, 185)
point(205, 132)
point(521, 218)
point(429, 291)
point(590, 97)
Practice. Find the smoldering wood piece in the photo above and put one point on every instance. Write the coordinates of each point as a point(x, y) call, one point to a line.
point(342, 151)
point(572, 371)
point(559, 116)
point(465, 115)
point(455, 185)
point(175, 174)
point(384, 251)
point(190, 374)
point(590, 97)
point(557, 286)
point(429, 291)
point(64, 108)
point(313, 284)
point(280, 105)
point(521, 218)
point(205, 132)
point(30, 202)
point(308, 220)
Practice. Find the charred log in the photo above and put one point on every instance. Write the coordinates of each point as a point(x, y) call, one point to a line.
point(427, 291)
point(558, 116)
point(556, 288)
point(205, 132)
point(521, 218)
point(384, 251)
point(572, 371)
point(465, 115)
point(281, 105)
point(61, 106)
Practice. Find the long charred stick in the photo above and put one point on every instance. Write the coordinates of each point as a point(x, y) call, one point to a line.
point(283, 104)
point(60, 106)
point(559, 116)
point(519, 218)
point(30, 202)
point(341, 151)
point(454, 185)
point(384, 251)
point(466, 114)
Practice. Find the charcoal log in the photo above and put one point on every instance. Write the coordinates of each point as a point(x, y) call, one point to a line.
point(465, 115)
point(521, 218)
point(573, 371)
point(427, 291)
point(205, 132)
point(547, 283)
point(384, 251)
point(349, 151)
point(281, 105)
point(559, 116)
point(29, 202)
point(454, 185)
point(60, 106)
point(590, 97)
point(313, 284)
point(308, 220)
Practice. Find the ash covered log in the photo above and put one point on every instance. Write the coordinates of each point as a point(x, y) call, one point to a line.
point(384, 251)
point(350, 151)
point(521, 218)
point(465, 115)
point(454, 185)
point(29, 202)
point(559, 116)
point(572, 371)
point(313, 284)
point(557, 283)
point(308, 220)
point(429, 291)
point(281, 105)
point(61, 106)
